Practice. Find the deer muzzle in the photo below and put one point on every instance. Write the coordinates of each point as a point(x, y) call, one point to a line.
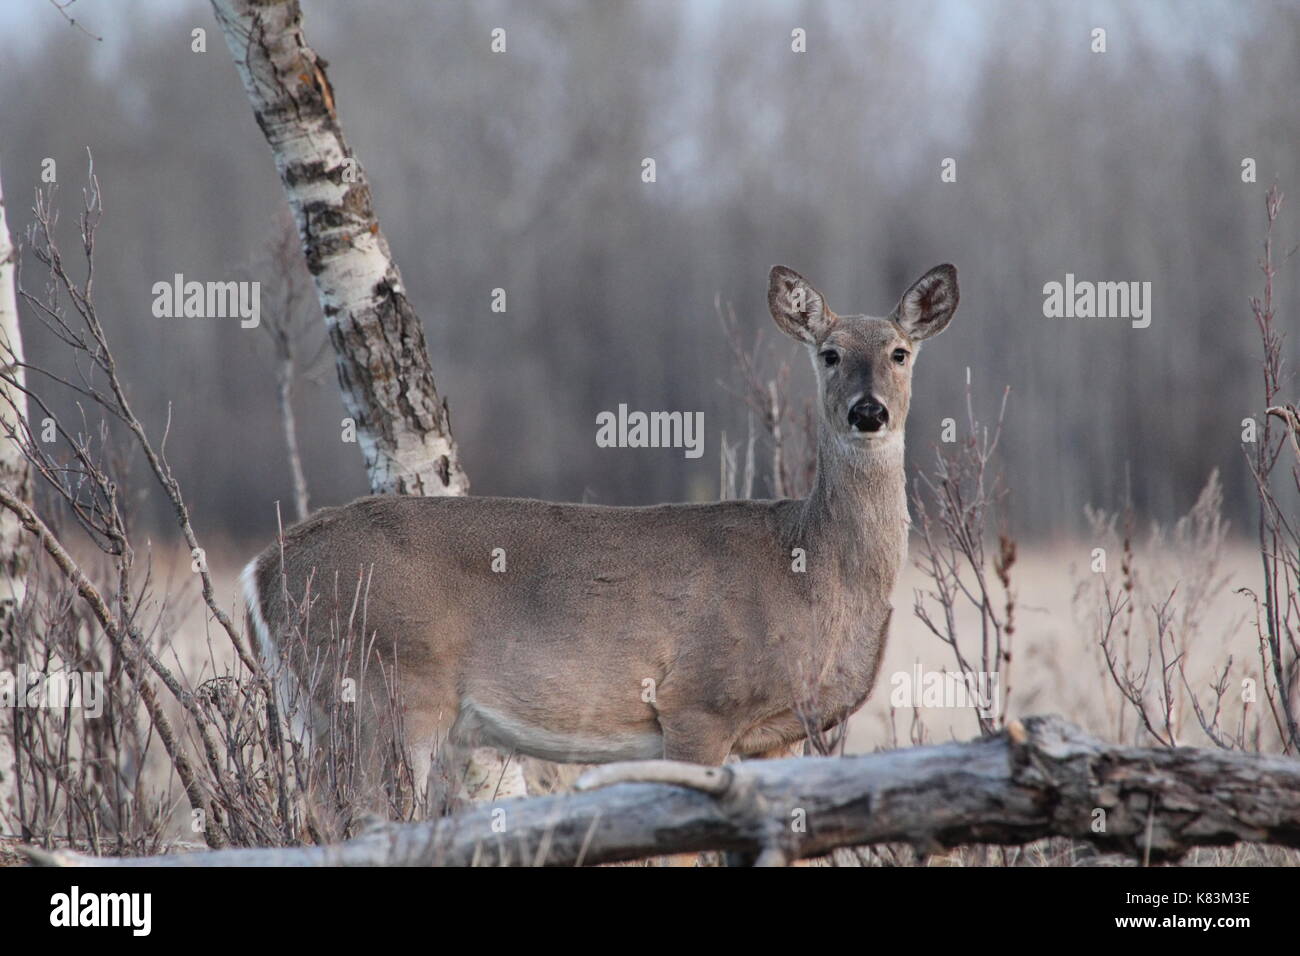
point(868, 416)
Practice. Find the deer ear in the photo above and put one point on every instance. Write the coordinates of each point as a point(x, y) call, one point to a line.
point(927, 307)
point(797, 307)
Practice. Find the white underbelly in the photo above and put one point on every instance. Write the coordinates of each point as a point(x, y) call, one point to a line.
point(479, 725)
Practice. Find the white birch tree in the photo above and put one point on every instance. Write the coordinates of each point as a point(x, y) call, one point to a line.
point(383, 364)
point(15, 477)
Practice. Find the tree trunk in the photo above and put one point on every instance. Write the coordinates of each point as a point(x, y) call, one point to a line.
point(15, 548)
point(15, 551)
point(383, 365)
point(1041, 777)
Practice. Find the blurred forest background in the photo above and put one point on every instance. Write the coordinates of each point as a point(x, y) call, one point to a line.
point(523, 171)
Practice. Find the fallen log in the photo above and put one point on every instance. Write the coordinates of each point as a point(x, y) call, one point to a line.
point(1041, 777)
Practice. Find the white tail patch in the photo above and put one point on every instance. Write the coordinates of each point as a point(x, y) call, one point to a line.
point(289, 699)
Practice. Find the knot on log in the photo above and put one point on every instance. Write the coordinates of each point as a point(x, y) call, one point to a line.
point(1052, 759)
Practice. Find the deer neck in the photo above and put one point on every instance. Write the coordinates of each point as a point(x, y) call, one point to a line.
point(857, 512)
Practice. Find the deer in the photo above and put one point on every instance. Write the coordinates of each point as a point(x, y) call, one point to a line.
point(585, 633)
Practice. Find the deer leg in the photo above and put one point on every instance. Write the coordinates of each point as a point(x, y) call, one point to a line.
point(695, 739)
point(796, 749)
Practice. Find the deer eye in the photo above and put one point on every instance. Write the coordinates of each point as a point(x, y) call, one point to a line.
point(831, 357)
point(900, 356)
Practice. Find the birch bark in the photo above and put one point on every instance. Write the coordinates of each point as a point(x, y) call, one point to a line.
point(402, 424)
point(15, 548)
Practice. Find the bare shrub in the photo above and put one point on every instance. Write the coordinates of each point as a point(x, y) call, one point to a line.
point(1149, 626)
point(106, 780)
point(968, 564)
point(80, 757)
point(1149, 621)
point(1277, 603)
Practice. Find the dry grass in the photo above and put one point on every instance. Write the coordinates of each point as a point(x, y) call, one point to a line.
point(1058, 665)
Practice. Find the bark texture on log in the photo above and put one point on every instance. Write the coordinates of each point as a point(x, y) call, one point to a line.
point(383, 365)
point(1043, 777)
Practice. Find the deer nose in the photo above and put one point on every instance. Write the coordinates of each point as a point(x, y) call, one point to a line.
point(868, 415)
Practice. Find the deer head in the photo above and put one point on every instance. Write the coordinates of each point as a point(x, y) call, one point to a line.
point(863, 363)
